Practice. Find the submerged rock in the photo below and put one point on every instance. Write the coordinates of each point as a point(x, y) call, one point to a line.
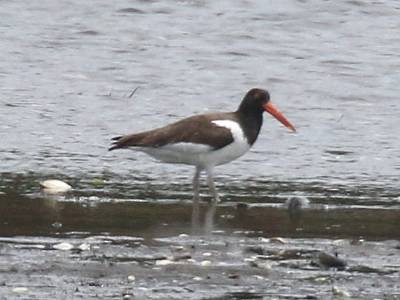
point(325, 260)
point(164, 262)
point(367, 269)
point(55, 186)
point(277, 240)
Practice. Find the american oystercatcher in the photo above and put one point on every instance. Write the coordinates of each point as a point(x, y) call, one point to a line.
point(207, 140)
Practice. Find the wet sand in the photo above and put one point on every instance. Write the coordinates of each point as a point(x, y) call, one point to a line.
point(55, 247)
point(128, 228)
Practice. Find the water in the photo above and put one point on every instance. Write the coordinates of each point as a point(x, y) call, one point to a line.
point(68, 69)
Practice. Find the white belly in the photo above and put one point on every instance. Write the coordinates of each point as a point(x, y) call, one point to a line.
point(203, 155)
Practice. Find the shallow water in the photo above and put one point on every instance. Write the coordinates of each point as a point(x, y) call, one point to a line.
point(67, 72)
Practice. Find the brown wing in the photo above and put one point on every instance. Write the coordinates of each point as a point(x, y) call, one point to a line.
point(197, 129)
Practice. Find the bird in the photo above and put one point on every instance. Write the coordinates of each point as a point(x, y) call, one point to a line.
point(206, 140)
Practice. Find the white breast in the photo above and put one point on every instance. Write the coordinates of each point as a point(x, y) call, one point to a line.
point(237, 148)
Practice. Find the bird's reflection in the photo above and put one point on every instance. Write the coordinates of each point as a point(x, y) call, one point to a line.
point(295, 206)
point(208, 226)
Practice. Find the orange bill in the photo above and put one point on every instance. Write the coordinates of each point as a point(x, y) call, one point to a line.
point(273, 110)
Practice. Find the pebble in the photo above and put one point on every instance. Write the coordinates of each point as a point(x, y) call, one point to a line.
point(127, 296)
point(255, 249)
point(262, 265)
point(263, 240)
point(20, 290)
point(55, 186)
point(131, 278)
point(340, 292)
point(357, 242)
point(340, 242)
point(277, 240)
point(321, 279)
point(57, 225)
point(233, 276)
point(164, 262)
point(205, 263)
point(197, 278)
point(242, 206)
point(84, 246)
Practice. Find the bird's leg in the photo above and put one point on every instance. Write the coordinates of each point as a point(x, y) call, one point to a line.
point(211, 186)
point(209, 218)
point(196, 198)
point(196, 184)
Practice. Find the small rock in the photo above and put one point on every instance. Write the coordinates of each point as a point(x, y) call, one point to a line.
point(263, 239)
point(339, 242)
point(55, 186)
point(182, 257)
point(321, 279)
point(233, 276)
point(255, 249)
point(326, 260)
point(57, 225)
point(178, 248)
point(340, 292)
point(262, 265)
point(288, 254)
point(277, 240)
point(367, 269)
point(98, 182)
point(131, 278)
point(164, 262)
point(242, 206)
point(84, 247)
point(127, 296)
point(357, 242)
point(197, 278)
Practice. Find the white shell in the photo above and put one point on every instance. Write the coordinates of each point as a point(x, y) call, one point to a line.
point(164, 262)
point(20, 290)
point(63, 246)
point(55, 186)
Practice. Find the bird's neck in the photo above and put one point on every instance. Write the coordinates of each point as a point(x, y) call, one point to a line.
point(251, 124)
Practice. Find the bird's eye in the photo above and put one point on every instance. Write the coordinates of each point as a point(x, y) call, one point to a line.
point(258, 96)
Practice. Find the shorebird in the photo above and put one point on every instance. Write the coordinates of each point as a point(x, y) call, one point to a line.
point(206, 140)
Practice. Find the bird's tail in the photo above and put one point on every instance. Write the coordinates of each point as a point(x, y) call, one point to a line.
point(124, 141)
point(115, 143)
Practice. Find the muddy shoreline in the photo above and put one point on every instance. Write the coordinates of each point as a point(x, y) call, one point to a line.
point(164, 250)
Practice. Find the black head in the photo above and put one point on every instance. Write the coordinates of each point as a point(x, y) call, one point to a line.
point(254, 101)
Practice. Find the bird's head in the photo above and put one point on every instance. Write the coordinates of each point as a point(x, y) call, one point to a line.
point(257, 101)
